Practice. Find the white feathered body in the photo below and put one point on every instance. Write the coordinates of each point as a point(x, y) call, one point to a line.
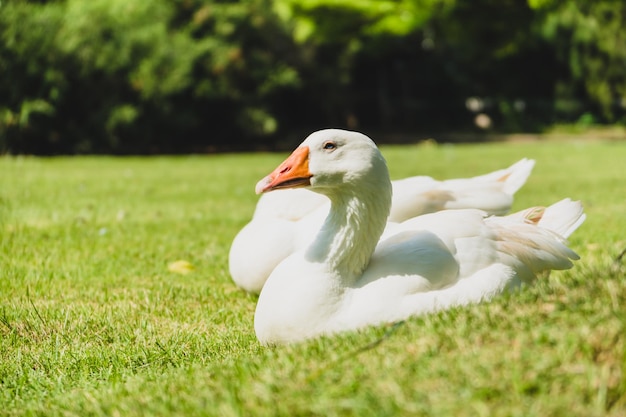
point(360, 270)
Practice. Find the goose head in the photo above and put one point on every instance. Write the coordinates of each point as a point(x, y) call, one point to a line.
point(332, 162)
point(349, 169)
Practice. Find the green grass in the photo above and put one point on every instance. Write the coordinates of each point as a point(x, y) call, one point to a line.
point(92, 322)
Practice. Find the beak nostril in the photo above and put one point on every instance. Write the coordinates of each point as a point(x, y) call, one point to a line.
point(293, 172)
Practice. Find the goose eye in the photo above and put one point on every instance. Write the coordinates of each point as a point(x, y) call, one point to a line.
point(329, 146)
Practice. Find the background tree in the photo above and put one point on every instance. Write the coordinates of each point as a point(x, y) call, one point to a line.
point(128, 76)
point(589, 38)
point(133, 76)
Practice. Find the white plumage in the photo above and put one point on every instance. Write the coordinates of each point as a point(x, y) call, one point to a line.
point(359, 270)
point(287, 220)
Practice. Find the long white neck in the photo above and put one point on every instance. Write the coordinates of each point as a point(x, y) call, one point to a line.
point(350, 233)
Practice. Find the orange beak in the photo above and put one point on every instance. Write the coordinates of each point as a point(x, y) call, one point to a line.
point(292, 173)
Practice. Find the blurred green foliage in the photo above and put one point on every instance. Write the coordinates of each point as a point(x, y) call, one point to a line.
point(131, 76)
point(136, 76)
point(590, 39)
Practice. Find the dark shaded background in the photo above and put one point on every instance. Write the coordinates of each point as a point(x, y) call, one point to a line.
point(174, 76)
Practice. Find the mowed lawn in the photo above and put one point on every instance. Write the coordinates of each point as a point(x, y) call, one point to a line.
point(94, 321)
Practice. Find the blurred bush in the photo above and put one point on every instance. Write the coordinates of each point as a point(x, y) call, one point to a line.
point(137, 76)
point(132, 76)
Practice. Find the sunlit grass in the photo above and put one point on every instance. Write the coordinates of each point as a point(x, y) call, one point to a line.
point(94, 322)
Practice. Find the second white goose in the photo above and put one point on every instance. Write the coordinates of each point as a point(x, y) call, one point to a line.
point(288, 220)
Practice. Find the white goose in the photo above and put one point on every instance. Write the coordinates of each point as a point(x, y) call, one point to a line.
point(350, 277)
point(287, 221)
